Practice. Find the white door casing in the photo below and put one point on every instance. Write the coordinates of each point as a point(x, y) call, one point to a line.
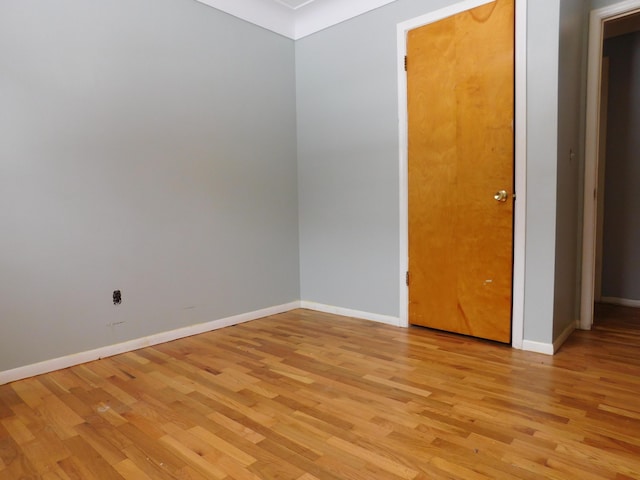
point(592, 144)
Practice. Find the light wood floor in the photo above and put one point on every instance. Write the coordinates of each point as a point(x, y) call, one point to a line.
point(307, 396)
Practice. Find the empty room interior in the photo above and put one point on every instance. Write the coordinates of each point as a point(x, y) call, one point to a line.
point(319, 239)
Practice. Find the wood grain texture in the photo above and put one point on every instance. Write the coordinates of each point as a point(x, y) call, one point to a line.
point(312, 396)
point(460, 84)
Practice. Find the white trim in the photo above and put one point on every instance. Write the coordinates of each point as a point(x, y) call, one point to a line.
point(270, 15)
point(520, 207)
point(565, 335)
point(537, 347)
point(294, 7)
point(549, 348)
point(596, 21)
point(517, 329)
point(298, 22)
point(317, 16)
point(403, 165)
point(625, 302)
point(347, 312)
point(47, 366)
point(110, 350)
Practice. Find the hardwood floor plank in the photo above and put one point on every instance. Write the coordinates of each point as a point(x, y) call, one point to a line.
point(192, 458)
point(148, 450)
point(222, 446)
point(130, 471)
point(17, 430)
point(107, 442)
point(91, 459)
point(19, 466)
point(236, 427)
point(31, 391)
point(152, 462)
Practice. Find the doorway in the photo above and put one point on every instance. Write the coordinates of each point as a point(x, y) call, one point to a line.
point(461, 119)
point(520, 156)
point(616, 19)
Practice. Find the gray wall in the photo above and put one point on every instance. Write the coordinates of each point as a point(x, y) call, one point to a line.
point(346, 79)
point(147, 146)
point(573, 21)
point(621, 240)
point(603, 3)
point(542, 154)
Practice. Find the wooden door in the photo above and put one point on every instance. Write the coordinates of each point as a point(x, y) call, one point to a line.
point(460, 80)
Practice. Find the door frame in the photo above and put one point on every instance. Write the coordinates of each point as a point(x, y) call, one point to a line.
point(597, 18)
point(520, 150)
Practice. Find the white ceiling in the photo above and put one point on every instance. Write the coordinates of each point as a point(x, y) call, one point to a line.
point(294, 4)
point(296, 18)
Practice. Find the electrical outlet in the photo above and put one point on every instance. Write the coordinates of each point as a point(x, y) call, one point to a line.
point(117, 297)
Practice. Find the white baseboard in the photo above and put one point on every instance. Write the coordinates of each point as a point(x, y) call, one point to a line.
point(625, 302)
point(538, 347)
point(347, 312)
point(549, 348)
point(110, 350)
point(564, 335)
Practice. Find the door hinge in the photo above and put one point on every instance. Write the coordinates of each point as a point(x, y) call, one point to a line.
point(407, 278)
point(405, 63)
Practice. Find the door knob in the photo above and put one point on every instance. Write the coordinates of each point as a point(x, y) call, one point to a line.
point(501, 196)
